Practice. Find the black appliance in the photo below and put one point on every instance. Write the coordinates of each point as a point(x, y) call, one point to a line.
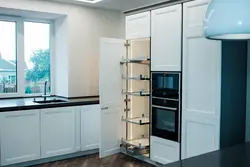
point(165, 105)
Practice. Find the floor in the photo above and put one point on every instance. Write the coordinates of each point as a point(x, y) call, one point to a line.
point(119, 160)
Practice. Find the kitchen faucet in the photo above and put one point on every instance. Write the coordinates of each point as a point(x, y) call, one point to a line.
point(45, 91)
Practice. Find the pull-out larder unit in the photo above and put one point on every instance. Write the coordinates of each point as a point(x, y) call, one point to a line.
point(137, 63)
point(125, 97)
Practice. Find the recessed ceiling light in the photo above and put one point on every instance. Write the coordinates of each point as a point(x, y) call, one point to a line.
point(89, 1)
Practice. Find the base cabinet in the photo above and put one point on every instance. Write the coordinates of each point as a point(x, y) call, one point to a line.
point(58, 131)
point(20, 136)
point(164, 151)
point(37, 134)
point(90, 127)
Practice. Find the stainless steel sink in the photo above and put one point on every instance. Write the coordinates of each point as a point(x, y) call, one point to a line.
point(49, 101)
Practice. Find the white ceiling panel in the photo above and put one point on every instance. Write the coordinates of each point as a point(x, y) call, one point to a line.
point(121, 5)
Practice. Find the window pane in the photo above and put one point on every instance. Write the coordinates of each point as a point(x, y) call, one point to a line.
point(37, 56)
point(8, 79)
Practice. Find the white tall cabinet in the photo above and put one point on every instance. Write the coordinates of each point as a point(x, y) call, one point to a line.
point(124, 88)
point(166, 37)
point(20, 136)
point(124, 96)
point(201, 84)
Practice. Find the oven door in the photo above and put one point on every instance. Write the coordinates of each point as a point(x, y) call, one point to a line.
point(165, 122)
point(165, 85)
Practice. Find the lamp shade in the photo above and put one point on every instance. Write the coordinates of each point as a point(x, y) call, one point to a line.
point(228, 20)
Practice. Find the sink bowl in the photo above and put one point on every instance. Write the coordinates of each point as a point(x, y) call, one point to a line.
point(49, 101)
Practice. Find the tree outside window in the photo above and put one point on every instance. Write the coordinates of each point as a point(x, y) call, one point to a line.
point(37, 56)
point(36, 76)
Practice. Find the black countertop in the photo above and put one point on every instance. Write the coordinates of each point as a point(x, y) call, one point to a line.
point(27, 103)
point(237, 156)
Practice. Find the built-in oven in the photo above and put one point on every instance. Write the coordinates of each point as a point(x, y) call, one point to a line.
point(165, 106)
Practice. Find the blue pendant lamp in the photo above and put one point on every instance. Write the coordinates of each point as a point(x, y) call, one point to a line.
point(228, 20)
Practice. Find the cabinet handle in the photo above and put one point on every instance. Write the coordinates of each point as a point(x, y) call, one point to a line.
point(104, 108)
point(138, 17)
point(166, 11)
point(167, 108)
point(20, 115)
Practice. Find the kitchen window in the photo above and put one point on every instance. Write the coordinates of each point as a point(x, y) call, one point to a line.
point(37, 56)
point(8, 68)
point(25, 56)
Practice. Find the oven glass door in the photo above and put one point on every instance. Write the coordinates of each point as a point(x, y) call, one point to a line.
point(165, 123)
point(165, 85)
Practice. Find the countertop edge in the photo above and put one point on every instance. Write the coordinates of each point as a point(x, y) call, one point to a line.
point(51, 105)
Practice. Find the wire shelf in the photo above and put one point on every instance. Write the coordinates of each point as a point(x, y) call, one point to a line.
point(138, 121)
point(138, 143)
point(139, 78)
point(140, 93)
point(143, 60)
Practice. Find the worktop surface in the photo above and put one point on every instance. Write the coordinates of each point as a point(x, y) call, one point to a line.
point(237, 156)
point(16, 104)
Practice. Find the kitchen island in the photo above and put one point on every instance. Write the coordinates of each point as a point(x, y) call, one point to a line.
point(237, 156)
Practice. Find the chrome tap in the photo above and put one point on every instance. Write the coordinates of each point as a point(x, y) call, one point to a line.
point(45, 91)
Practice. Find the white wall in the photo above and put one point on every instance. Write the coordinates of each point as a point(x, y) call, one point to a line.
point(84, 47)
point(77, 58)
point(60, 60)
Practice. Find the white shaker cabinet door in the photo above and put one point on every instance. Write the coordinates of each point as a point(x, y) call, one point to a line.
point(138, 26)
point(90, 127)
point(164, 151)
point(201, 84)
point(110, 86)
point(166, 34)
point(20, 136)
point(58, 131)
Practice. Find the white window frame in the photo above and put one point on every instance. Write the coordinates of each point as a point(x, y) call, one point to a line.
point(20, 56)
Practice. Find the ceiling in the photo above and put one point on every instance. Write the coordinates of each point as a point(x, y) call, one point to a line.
point(121, 5)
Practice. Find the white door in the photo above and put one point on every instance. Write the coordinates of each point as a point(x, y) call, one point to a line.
point(201, 84)
point(20, 136)
point(164, 151)
point(138, 26)
point(58, 132)
point(166, 34)
point(110, 87)
point(90, 127)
